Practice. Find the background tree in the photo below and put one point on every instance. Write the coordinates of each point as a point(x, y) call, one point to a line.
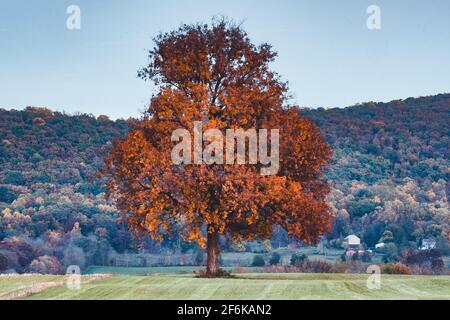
point(3, 262)
point(215, 75)
point(275, 258)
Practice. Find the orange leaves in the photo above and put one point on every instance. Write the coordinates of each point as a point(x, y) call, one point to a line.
point(217, 76)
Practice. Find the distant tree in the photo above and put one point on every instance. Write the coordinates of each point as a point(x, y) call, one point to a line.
point(387, 236)
point(21, 248)
point(275, 258)
point(391, 253)
point(122, 241)
point(3, 262)
point(45, 265)
point(15, 178)
point(101, 255)
point(258, 261)
point(38, 121)
point(103, 118)
point(6, 195)
point(372, 234)
point(298, 259)
point(361, 207)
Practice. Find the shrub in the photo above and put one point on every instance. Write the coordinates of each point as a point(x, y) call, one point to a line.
point(355, 266)
point(396, 268)
point(422, 270)
point(239, 269)
point(275, 258)
point(45, 265)
point(297, 259)
point(318, 266)
point(339, 266)
point(278, 268)
point(258, 261)
point(425, 261)
point(220, 274)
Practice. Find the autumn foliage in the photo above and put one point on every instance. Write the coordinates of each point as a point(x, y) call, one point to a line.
point(215, 75)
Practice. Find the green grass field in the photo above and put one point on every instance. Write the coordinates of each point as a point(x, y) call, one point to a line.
point(246, 286)
point(8, 284)
point(141, 271)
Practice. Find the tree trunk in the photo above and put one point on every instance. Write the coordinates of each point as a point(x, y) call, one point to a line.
point(212, 250)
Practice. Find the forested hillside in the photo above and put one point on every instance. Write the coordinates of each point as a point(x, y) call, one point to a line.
point(390, 180)
point(391, 171)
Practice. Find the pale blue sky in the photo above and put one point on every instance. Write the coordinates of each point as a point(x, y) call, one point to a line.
point(326, 52)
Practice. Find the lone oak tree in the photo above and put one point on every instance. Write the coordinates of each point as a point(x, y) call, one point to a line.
point(214, 74)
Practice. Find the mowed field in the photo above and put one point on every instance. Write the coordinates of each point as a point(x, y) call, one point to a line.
point(10, 284)
point(244, 286)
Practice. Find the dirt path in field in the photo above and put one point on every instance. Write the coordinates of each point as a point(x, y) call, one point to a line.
point(26, 291)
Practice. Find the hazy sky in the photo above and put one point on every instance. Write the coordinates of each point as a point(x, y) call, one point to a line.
point(326, 51)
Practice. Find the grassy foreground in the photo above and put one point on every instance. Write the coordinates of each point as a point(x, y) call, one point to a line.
point(9, 284)
point(251, 286)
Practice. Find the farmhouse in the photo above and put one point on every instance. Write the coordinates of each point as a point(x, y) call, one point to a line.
point(428, 244)
point(352, 242)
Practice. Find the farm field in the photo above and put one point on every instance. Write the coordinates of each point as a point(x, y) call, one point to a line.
point(11, 283)
point(142, 271)
point(246, 286)
point(21, 286)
